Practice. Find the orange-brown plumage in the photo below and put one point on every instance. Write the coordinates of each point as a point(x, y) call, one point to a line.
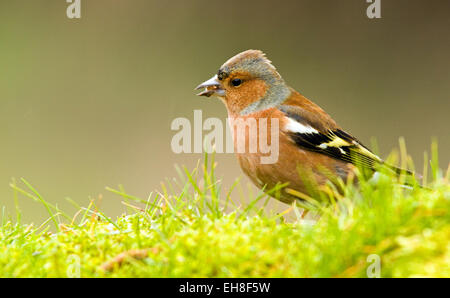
point(312, 148)
point(307, 109)
point(291, 161)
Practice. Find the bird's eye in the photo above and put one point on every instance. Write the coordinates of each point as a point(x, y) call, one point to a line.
point(236, 82)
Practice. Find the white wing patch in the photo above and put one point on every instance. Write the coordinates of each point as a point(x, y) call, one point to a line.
point(297, 127)
point(335, 143)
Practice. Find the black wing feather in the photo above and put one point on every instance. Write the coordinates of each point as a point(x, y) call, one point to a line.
point(337, 144)
point(348, 153)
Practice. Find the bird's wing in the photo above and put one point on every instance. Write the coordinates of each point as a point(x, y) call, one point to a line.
point(330, 140)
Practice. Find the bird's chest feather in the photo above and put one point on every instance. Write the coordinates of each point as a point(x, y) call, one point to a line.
point(260, 146)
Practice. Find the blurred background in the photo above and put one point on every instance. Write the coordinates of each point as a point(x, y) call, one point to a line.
point(87, 103)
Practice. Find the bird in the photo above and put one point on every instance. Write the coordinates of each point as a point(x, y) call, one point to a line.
point(312, 148)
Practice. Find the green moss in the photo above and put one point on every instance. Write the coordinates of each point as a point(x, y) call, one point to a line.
point(190, 233)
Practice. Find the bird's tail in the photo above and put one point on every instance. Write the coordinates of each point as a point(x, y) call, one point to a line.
point(410, 178)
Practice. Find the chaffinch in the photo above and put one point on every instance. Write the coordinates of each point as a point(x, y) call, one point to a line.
point(312, 147)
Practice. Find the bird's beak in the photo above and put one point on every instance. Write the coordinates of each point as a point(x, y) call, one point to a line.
point(212, 87)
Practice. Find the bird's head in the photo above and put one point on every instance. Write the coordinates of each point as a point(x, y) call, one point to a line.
point(247, 83)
